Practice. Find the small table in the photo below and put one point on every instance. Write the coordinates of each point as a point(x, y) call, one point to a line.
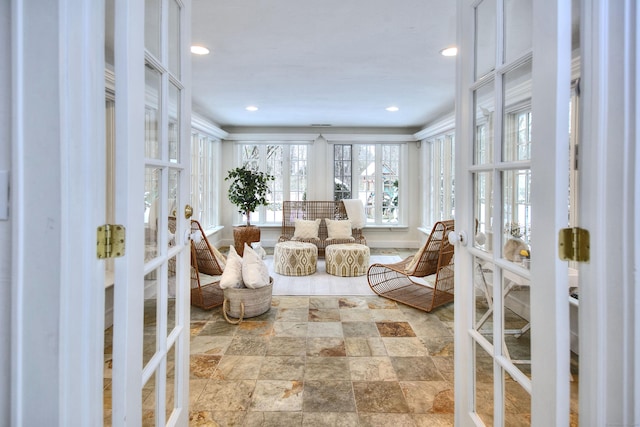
point(347, 259)
point(295, 258)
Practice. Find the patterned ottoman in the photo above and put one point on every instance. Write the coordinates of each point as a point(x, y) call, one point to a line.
point(346, 260)
point(295, 258)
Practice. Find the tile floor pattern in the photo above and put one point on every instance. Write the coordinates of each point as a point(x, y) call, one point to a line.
point(333, 361)
point(314, 361)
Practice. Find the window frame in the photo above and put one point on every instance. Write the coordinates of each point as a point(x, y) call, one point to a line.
point(513, 226)
point(442, 176)
point(206, 152)
point(269, 215)
point(377, 208)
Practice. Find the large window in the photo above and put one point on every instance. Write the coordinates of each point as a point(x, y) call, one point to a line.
point(205, 167)
point(288, 163)
point(374, 172)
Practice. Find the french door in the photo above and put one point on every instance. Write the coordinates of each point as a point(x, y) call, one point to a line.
point(150, 367)
point(511, 200)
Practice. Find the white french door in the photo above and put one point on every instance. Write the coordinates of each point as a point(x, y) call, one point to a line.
point(151, 282)
point(511, 201)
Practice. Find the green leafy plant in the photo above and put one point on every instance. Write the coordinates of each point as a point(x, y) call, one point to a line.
point(248, 189)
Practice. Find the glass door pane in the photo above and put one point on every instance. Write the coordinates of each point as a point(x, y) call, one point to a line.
point(485, 39)
point(484, 111)
point(517, 28)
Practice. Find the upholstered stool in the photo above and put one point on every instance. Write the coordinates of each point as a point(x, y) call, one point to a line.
point(295, 258)
point(346, 260)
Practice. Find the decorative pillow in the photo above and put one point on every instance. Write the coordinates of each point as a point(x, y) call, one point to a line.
point(257, 246)
point(338, 229)
point(232, 274)
point(255, 273)
point(306, 229)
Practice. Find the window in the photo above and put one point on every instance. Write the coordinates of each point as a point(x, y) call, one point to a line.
point(517, 183)
point(443, 177)
point(342, 175)
point(376, 180)
point(205, 164)
point(288, 163)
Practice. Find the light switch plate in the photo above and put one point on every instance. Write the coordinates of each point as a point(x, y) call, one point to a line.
point(4, 195)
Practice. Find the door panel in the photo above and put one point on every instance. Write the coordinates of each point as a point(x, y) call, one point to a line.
point(151, 314)
point(503, 289)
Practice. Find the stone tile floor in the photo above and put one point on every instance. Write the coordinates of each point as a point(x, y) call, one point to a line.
point(338, 361)
point(314, 361)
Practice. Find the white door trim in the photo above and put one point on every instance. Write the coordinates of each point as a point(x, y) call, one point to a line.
point(609, 284)
point(128, 291)
point(82, 149)
point(549, 297)
point(463, 321)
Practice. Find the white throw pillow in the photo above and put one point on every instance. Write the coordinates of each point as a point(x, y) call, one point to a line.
point(255, 273)
point(338, 229)
point(306, 229)
point(232, 274)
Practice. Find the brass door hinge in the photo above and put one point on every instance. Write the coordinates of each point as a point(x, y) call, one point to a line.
point(111, 240)
point(573, 244)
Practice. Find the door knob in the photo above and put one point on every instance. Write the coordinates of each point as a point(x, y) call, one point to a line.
point(188, 211)
point(458, 237)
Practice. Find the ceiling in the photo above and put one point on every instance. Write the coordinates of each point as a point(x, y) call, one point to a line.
point(323, 62)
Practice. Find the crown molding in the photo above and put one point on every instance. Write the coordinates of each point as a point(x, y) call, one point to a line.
point(367, 138)
point(201, 124)
point(273, 137)
point(444, 125)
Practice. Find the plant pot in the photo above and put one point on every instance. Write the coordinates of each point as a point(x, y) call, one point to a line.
point(245, 234)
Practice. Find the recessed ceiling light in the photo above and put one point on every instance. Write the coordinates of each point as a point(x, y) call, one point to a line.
point(450, 51)
point(251, 108)
point(199, 50)
point(392, 108)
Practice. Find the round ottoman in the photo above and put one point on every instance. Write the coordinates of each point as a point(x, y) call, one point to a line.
point(295, 258)
point(346, 260)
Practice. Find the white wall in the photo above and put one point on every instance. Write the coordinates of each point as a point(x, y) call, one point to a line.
point(5, 226)
point(35, 214)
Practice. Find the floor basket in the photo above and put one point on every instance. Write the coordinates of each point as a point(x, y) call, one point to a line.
point(244, 302)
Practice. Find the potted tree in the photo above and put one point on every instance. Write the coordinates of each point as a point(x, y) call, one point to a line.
point(248, 190)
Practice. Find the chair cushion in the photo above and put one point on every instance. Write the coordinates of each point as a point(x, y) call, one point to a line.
point(306, 229)
point(338, 229)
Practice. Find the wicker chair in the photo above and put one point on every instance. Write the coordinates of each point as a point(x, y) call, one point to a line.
point(206, 263)
point(434, 262)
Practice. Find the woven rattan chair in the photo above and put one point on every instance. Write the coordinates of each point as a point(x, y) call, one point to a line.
point(206, 263)
point(311, 210)
point(434, 262)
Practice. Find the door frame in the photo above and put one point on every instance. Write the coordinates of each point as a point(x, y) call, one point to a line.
point(58, 282)
point(609, 197)
point(57, 203)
